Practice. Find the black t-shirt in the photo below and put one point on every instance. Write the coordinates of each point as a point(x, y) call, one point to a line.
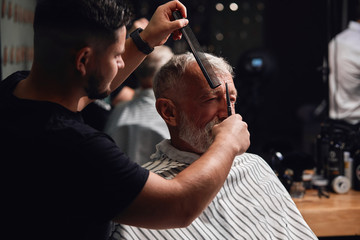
point(60, 178)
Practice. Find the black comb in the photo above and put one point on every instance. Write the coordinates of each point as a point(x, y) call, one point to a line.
point(198, 53)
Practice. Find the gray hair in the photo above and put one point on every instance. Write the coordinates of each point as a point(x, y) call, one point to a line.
point(170, 74)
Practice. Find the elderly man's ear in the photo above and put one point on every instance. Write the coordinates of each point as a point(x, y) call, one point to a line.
point(167, 110)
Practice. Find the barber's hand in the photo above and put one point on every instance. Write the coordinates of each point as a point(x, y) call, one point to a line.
point(161, 24)
point(233, 131)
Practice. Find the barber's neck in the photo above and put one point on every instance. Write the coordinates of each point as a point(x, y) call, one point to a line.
point(43, 86)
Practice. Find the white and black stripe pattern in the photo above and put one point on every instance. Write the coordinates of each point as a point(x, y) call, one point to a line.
point(252, 204)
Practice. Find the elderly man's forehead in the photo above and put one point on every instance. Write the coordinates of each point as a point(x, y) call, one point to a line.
point(193, 69)
point(220, 68)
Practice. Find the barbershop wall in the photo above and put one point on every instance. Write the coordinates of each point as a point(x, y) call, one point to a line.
point(16, 35)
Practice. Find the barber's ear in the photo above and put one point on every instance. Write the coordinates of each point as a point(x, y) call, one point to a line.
point(167, 110)
point(82, 59)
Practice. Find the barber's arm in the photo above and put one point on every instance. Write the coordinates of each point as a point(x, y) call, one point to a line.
point(156, 33)
point(177, 202)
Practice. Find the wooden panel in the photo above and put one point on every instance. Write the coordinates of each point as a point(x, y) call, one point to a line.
point(338, 215)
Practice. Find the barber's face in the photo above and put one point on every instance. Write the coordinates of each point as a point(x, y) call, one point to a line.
point(106, 66)
point(202, 107)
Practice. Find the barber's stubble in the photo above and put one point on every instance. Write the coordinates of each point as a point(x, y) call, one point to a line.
point(94, 83)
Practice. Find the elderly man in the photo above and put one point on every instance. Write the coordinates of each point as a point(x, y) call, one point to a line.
point(252, 204)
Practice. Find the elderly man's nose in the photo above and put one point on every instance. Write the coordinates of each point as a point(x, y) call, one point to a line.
point(223, 110)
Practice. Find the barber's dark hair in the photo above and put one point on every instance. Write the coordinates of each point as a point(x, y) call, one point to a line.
point(61, 25)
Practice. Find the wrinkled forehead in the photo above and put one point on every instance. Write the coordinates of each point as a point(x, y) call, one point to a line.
point(195, 85)
point(194, 78)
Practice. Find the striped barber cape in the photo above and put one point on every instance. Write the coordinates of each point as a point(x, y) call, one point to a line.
point(252, 204)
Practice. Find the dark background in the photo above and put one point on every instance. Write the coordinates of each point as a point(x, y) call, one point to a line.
point(285, 99)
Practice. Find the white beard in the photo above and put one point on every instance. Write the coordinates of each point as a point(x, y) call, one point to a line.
point(199, 139)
